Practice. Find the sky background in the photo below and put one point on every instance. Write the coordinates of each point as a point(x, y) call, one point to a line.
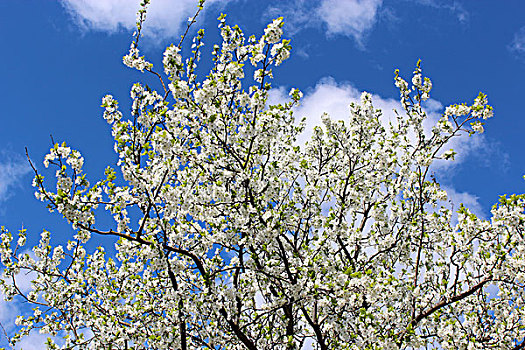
point(59, 58)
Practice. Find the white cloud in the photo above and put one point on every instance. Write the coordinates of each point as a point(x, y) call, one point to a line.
point(453, 6)
point(165, 18)
point(34, 341)
point(518, 42)
point(468, 200)
point(309, 344)
point(11, 170)
point(10, 310)
point(8, 313)
point(349, 17)
point(334, 98)
point(352, 18)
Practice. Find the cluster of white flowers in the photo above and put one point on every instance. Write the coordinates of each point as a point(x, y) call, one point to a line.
point(111, 113)
point(421, 84)
point(172, 61)
point(449, 154)
point(477, 126)
point(133, 60)
point(273, 32)
point(479, 110)
point(56, 153)
point(228, 234)
point(281, 52)
point(458, 110)
point(76, 161)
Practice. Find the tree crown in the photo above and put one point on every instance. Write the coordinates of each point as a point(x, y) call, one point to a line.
point(245, 238)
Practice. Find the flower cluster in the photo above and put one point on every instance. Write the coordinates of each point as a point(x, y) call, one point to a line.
point(172, 61)
point(229, 234)
point(273, 32)
point(133, 60)
point(111, 113)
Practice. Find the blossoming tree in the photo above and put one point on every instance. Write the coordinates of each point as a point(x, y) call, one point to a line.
point(246, 239)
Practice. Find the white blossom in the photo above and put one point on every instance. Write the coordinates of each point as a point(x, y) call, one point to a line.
point(229, 234)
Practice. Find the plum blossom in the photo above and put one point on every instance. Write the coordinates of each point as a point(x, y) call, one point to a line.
point(229, 233)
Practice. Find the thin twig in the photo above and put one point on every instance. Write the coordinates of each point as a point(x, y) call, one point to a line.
point(193, 20)
point(6, 336)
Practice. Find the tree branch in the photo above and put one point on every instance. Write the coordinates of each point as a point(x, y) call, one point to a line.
point(237, 330)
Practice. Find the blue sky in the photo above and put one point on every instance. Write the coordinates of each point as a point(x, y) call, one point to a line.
point(59, 58)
